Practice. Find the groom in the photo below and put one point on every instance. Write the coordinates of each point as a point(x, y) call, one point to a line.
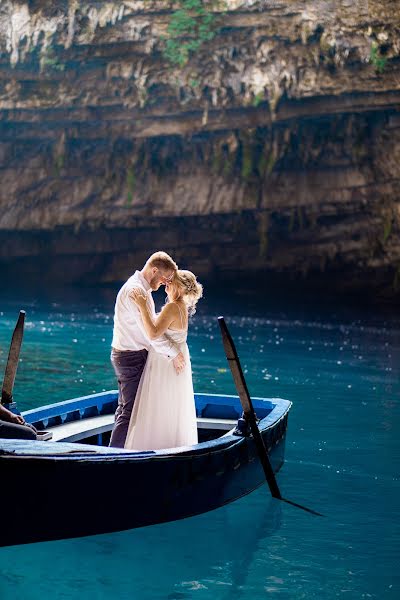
point(130, 343)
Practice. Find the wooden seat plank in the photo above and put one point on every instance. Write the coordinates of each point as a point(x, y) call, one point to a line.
point(72, 431)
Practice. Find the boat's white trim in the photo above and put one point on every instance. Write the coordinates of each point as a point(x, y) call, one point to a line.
point(84, 428)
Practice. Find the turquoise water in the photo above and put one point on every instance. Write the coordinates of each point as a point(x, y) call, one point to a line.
point(339, 366)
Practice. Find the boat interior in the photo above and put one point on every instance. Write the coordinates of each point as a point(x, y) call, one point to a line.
point(90, 419)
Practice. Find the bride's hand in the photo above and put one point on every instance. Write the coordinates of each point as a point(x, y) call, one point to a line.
point(139, 297)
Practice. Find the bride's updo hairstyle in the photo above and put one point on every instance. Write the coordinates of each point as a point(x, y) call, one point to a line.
point(186, 286)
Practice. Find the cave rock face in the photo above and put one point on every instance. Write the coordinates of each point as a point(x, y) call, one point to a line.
point(271, 147)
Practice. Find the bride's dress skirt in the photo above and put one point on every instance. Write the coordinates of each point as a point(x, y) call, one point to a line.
point(164, 414)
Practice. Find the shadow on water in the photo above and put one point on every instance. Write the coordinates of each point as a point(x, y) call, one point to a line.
point(255, 298)
point(213, 550)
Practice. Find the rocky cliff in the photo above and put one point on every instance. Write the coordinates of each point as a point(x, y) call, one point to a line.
point(272, 147)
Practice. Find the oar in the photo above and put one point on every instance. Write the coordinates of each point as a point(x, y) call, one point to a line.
point(12, 361)
point(250, 416)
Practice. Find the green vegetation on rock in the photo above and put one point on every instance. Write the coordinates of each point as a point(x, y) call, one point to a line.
point(376, 58)
point(189, 27)
point(387, 228)
point(49, 60)
point(258, 98)
point(58, 164)
point(130, 182)
point(263, 225)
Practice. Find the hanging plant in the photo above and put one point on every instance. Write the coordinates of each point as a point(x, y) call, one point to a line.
point(190, 26)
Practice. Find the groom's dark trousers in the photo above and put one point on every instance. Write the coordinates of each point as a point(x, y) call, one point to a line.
point(128, 366)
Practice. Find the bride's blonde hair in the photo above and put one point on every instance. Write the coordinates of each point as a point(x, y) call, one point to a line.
point(186, 286)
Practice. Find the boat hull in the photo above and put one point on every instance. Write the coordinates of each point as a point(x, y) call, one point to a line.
point(70, 490)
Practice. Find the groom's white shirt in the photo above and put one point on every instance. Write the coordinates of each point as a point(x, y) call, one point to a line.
point(129, 332)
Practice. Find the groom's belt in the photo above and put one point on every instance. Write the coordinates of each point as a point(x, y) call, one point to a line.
point(116, 350)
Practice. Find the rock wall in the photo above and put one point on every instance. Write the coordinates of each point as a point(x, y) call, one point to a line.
point(275, 150)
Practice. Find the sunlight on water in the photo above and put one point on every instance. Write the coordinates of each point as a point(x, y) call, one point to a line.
point(340, 367)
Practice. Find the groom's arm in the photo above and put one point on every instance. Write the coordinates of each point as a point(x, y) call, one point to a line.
point(167, 347)
point(164, 345)
point(173, 352)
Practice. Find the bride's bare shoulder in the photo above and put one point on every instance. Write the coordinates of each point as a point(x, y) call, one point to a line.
point(173, 310)
point(170, 308)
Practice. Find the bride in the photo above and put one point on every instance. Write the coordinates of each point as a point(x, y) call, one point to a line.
point(164, 414)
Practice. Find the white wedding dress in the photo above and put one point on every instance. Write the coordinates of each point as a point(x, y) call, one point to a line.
point(164, 413)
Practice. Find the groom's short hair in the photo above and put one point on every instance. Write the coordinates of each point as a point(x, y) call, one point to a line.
point(162, 261)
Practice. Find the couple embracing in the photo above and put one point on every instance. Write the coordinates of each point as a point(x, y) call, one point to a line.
point(151, 359)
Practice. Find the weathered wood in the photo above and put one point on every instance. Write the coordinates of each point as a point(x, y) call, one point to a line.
point(13, 359)
point(247, 405)
point(76, 431)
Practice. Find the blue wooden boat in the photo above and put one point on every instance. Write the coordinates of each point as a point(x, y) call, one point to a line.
point(74, 485)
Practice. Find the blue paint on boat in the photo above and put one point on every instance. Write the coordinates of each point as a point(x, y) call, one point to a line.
point(160, 486)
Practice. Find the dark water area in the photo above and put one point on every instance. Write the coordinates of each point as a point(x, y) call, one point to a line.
point(339, 365)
